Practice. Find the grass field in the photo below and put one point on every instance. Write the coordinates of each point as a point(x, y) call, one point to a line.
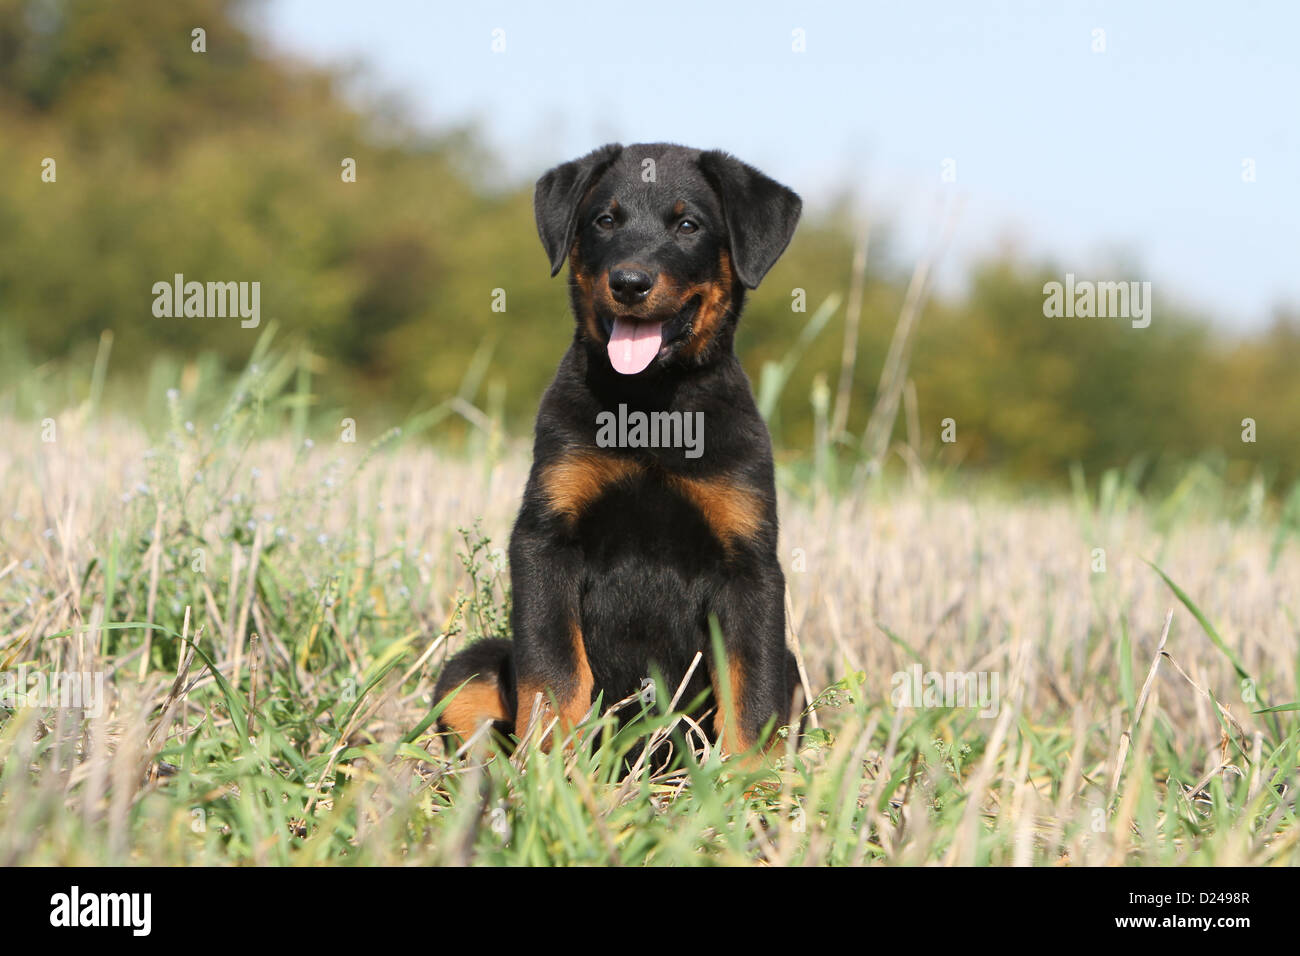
point(266, 618)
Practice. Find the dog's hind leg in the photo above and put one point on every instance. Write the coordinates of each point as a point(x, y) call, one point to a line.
point(481, 683)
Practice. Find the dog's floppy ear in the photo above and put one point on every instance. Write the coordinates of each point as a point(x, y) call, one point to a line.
point(556, 199)
point(761, 213)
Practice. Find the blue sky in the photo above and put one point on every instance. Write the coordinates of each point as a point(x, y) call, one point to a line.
point(1119, 164)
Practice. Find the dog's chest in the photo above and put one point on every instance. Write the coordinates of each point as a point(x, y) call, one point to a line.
point(620, 507)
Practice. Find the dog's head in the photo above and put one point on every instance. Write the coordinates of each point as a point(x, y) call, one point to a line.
point(662, 242)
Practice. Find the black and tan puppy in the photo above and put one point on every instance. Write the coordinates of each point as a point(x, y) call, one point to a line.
point(650, 507)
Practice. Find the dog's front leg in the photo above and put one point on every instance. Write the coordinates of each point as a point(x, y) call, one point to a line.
point(553, 677)
point(751, 684)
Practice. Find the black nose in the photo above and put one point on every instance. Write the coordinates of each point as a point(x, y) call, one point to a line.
point(630, 286)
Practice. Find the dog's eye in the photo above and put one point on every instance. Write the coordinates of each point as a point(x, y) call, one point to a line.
point(605, 221)
point(687, 226)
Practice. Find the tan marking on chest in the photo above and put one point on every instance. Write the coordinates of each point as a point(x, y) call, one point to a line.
point(731, 511)
point(575, 482)
point(572, 484)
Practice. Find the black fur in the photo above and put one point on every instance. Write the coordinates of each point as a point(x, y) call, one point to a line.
point(640, 567)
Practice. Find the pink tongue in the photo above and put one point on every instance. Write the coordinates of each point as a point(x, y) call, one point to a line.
point(634, 345)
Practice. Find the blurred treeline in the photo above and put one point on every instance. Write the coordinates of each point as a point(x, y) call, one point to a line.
point(225, 166)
